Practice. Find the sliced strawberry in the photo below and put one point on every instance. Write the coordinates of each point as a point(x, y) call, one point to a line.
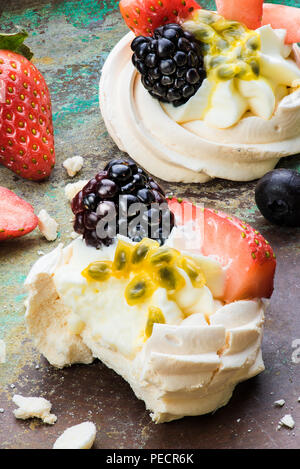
point(249, 259)
point(248, 12)
point(17, 216)
point(144, 16)
point(283, 17)
point(26, 130)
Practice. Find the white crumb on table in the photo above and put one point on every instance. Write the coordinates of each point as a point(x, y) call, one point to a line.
point(47, 225)
point(30, 407)
point(286, 421)
point(73, 188)
point(279, 403)
point(2, 351)
point(80, 436)
point(73, 165)
point(1, 411)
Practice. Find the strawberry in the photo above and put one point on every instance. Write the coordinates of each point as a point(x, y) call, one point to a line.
point(249, 258)
point(144, 16)
point(248, 12)
point(17, 216)
point(26, 131)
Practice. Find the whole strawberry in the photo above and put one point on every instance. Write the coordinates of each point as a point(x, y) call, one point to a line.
point(26, 130)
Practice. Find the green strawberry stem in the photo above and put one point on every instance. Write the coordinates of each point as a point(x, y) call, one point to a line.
point(14, 42)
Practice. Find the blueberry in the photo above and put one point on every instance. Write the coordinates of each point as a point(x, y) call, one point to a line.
point(277, 196)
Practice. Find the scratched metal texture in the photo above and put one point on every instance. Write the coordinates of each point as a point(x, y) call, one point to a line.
point(71, 40)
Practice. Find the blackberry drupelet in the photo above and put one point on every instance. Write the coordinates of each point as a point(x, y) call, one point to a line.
point(171, 63)
point(111, 196)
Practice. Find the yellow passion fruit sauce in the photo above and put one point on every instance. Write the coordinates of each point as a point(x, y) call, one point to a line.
point(230, 49)
point(146, 266)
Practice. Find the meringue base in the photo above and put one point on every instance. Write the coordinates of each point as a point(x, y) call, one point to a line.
point(185, 370)
point(139, 126)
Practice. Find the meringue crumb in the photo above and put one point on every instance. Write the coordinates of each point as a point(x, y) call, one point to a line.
point(80, 436)
point(1, 411)
point(279, 403)
point(286, 421)
point(40, 253)
point(73, 188)
point(30, 407)
point(47, 225)
point(73, 165)
point(2, 351)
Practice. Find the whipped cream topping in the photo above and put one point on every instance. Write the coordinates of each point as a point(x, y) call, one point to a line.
point(177, 144)
point(188, 366)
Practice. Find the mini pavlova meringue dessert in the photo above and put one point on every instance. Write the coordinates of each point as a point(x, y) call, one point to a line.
point(176, 306)
point(197, 96)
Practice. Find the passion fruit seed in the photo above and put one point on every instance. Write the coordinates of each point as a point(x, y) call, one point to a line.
point(142, 249)
point(170, 279)
point(194, 272)
point(226, 71)
point(121, 262)
point(139, 289)
point(99, 271)
point(163, 255)
point(253, 43)
point(155, 316)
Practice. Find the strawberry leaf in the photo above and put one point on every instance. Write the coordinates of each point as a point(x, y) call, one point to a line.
point(14, 42)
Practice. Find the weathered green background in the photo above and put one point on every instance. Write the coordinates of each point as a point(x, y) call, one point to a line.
point(71, 40)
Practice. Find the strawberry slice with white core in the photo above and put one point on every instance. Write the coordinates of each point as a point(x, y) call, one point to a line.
point(248, 258)
point(17, 216)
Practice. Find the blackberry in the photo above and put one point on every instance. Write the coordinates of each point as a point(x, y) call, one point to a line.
point(171, 63)
point(123, 199)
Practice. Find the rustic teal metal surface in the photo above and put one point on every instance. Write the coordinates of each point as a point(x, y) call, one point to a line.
point(71, 40)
